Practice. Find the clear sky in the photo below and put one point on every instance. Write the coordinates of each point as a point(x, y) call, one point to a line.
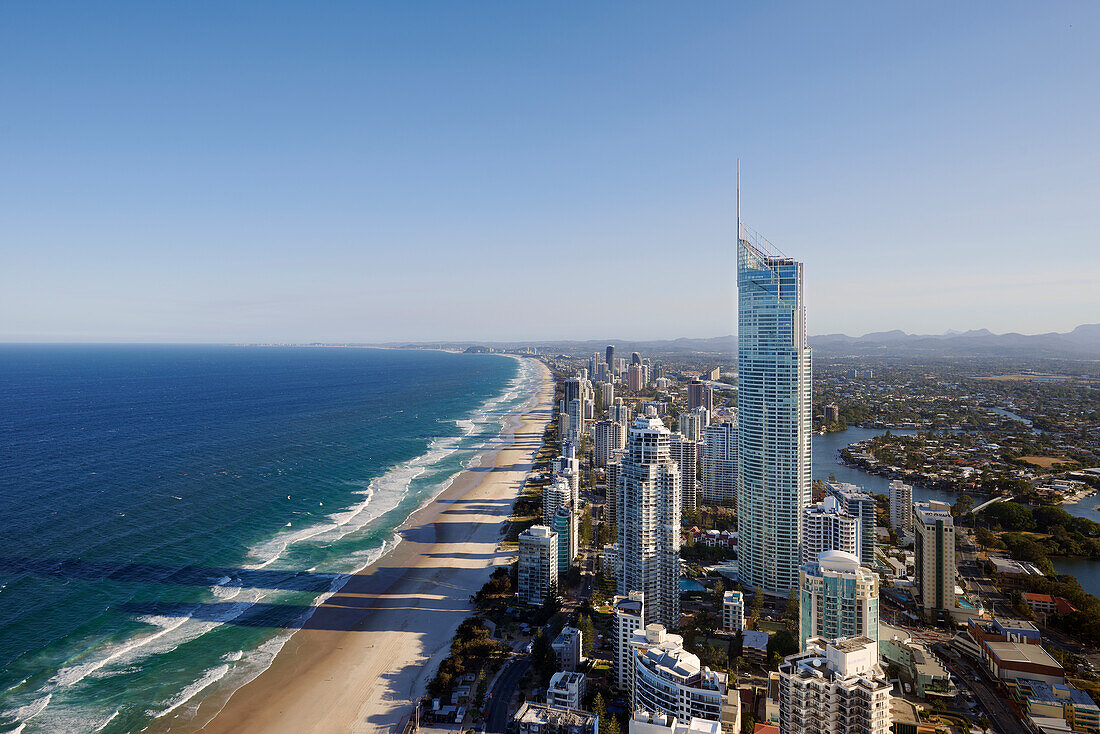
point(210, 171)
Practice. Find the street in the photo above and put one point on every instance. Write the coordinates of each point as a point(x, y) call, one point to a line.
point(501, 696)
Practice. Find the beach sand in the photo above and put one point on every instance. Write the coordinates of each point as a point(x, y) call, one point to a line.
point(370, 648)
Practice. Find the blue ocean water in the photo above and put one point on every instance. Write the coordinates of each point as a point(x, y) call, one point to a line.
point(143, 486)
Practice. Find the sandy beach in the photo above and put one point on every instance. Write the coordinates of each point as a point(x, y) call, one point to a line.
point(368, 650)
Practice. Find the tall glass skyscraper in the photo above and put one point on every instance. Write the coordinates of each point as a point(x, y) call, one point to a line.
point(773, 415)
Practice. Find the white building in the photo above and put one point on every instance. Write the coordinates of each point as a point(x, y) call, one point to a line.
point(733, 611)
point(620, 413)
point(838, 597)
point(538, 564)
point(567, 646)
point(693, 423)
point(643, 722)
point(649, 521)
point(685, 453)
point(858, 503)
point(838, 688)
point(901, 506)
point(774, 416)
point(566, 690)
point(607, 393)
point(575, 409)
point(628, 616)
point(670, 680)
point(556, 495)
point(827, 526)
point(609, 437)
point(720, 464)
point(935, 555)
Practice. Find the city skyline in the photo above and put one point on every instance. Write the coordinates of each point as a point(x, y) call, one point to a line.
point(371, 174)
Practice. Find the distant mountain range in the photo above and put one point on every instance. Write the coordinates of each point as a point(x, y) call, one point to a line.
point(1081, 343)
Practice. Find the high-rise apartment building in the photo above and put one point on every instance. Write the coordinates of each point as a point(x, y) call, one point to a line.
point(827, 526)
point(858, 503)
point(627, 617)
point(635, 358)
point(538, 564)
point(700, 395)
point(611, 498)
point(835, 687)
point(556, 495)
point(720, 464)
point(774, 416)
point(620, 413)
point(686, 454)
point(935, 555)
point(901, 506)
point(649, 521)
point(733, 612)
point(575, 409)
point(670, 680)
point(635, 377)
point(564, 525)
point(838, 597)
point(610, 355)
point(693, 423)
point(607, 393)
point(609, 437)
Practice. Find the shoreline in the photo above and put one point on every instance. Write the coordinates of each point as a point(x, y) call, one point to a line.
point(367, 651)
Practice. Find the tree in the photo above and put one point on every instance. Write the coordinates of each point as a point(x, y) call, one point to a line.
point(586, 528)
point(719, 592)
point(543, 658)
point(963, 505)
point(588, 635)
point(757, 606)
point(792, 605)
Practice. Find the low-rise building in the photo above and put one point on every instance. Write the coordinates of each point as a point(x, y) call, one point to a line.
point(566, 690)
point(539, 718)
point(754, 646)
point(919, 666)
point(644, 722)
point(1040, 699)
point(1009, 661)
point(733, 611)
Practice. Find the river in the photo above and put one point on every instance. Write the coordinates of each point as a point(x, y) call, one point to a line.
point(826, 462)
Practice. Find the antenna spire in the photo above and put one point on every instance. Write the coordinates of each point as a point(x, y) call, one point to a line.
point(738, 201)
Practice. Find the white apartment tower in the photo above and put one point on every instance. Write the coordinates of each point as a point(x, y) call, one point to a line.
point(733, 612)
point(827, 526)
point(609, 437)
point(556, 495)
point(834, 687)
point(538, 564)
point(901, 506)
point(649, 521)
point(620, 413)
point(693, 423)
point(670, 680)
point(686, 455)
point(628, 616)
point(935, 555)
point(774, 416)
point(858, 503)
point(720, 464)
point(838, 597)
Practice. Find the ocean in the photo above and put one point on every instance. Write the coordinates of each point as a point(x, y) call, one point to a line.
point(160, 506)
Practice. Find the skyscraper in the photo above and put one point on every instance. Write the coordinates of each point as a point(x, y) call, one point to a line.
point(649, 521)
point(635, 378)
point(858, 503)
point(828, 526)
point(901, 506)
point(538, 564)
point(719, 464)
point(693, 422)
point(834, 686)
point(700, 394)
point(609, 436)
point(685, 453)
point(774, 416)
point(935, 555)
point(611, 356)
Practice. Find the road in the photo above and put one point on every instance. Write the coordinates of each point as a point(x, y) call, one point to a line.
point(965, 672)
point(501, 697)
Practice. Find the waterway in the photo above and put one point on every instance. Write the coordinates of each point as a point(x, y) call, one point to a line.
point(826, 462)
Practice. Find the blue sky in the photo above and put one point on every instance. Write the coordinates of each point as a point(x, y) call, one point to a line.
point(370, 172)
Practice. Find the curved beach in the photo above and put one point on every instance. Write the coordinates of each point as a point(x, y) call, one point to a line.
point(366, 653)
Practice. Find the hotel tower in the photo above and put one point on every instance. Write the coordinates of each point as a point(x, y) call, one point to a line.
point(773, 414)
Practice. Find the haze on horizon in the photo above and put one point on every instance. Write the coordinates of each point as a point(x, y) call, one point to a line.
point(343, 172)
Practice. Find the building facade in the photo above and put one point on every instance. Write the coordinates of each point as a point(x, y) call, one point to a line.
point(608, 437)
point(774, 416)
point(934, 530)
point(627, 617)
point(733, 612)
point(686, 454)
point(538, 565)
point(835, 687)
point(827, 526)
point(838, 597)
point(649, 521)
point(860, 504)
point(719, 464)
point(901, 506)
point(670, 680)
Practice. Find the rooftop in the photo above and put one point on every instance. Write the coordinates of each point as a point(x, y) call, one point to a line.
point(1018, 652)
point(543, 714)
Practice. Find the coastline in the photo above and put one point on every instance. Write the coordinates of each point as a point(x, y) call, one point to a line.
point(365, 654)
